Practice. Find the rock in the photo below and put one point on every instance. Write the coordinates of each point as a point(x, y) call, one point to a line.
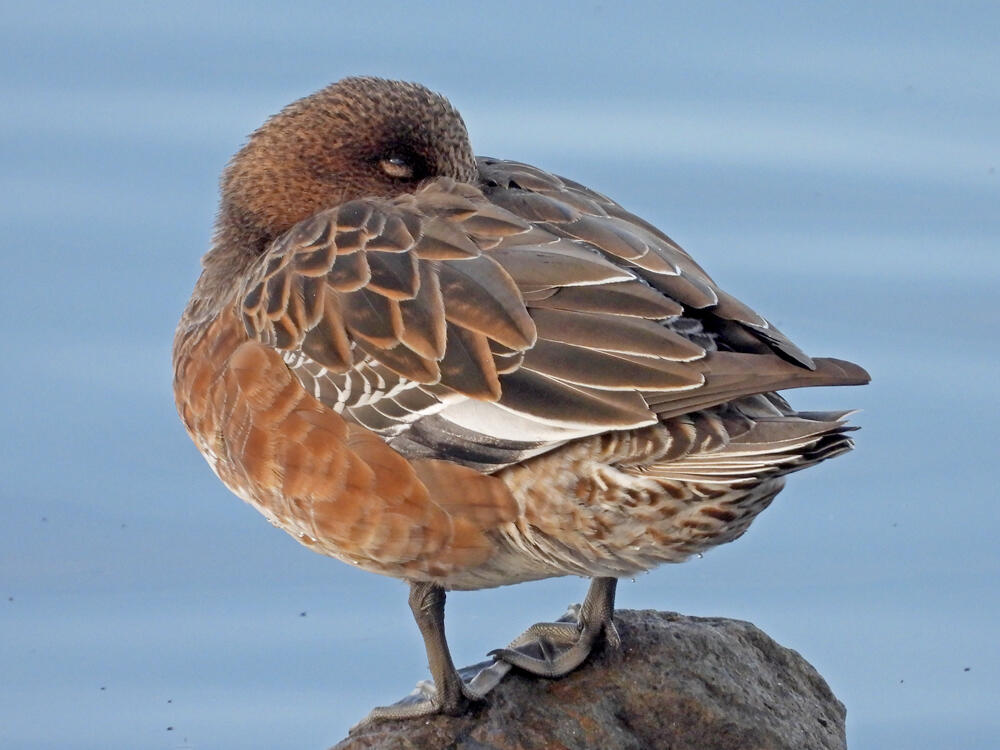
point(678, 682)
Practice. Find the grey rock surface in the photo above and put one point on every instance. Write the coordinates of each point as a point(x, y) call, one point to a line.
point(683, 683)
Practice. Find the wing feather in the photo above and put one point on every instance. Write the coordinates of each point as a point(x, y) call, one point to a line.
point(429, 316)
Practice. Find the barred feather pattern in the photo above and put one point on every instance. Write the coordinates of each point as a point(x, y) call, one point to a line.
point(622, 503)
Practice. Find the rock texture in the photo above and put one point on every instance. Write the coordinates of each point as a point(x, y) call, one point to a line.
point(678, 682)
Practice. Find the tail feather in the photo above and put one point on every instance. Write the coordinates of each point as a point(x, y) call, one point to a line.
point(731, 375)
point(773, 446)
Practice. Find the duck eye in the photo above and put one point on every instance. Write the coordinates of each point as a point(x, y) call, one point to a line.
point(397, 167)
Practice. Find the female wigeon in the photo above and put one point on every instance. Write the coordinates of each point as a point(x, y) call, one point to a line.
point(466, 372)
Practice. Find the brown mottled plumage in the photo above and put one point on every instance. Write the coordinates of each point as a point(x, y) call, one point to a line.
point(469, 372)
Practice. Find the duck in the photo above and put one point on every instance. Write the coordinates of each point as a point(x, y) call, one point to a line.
point(468, 372)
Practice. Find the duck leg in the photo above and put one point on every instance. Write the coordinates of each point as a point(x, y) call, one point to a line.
point(554, 649)
point(450, 694)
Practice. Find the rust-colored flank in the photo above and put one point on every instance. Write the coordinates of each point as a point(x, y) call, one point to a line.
point(467, 372)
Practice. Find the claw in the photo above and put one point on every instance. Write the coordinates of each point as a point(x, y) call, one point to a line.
point(611, 637)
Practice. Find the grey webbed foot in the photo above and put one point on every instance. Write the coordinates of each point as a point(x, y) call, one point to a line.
point(476, 681)
point(554, 649)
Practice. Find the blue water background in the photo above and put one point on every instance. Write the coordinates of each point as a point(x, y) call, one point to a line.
point(834, 165)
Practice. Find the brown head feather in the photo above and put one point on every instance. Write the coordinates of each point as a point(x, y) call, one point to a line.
point(359, 137)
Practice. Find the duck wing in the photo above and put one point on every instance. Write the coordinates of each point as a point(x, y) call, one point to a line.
point(487, 323)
